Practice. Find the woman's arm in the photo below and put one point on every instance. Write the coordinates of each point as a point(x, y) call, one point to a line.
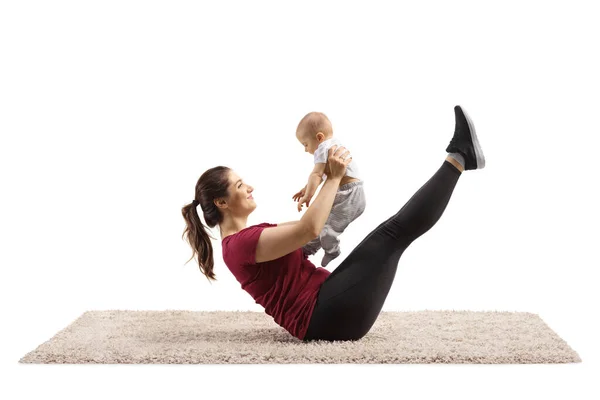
point(288, 223)
point(278, 241)
point(284, 238)
point(316, 215)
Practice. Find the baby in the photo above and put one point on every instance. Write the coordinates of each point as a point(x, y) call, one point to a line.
point(315, 133)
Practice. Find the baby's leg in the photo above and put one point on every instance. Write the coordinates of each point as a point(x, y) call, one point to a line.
point(312, 247)
point(349, 204)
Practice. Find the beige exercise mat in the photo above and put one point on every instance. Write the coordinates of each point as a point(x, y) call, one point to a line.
point(248, 337)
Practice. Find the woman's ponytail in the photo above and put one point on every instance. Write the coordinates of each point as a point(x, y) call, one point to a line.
point(199, 240)
point(212, 185)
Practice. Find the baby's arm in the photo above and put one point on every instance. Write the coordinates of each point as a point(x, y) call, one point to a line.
point(314, 180)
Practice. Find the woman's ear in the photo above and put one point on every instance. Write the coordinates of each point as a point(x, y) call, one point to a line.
point(220, 203)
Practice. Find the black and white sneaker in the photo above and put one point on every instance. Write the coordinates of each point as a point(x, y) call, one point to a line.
point(465, 141)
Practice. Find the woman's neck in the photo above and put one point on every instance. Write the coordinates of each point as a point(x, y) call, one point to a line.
point(232, 226)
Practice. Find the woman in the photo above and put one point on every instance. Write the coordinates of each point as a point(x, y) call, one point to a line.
point(267, 259)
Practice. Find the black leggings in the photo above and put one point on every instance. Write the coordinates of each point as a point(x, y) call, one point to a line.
point(352, 297)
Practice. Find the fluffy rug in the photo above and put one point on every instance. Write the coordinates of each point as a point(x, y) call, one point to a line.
point(248, 337)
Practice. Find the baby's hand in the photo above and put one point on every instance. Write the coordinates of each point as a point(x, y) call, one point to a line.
point(300, 194)
point(304, 199)
point(301, 201)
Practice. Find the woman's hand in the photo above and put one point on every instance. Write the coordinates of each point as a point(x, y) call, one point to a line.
point(338, 159)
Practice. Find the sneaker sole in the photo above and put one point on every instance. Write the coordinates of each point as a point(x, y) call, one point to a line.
point(478, 151)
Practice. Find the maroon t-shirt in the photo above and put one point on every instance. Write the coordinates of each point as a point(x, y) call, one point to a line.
point(286, 287)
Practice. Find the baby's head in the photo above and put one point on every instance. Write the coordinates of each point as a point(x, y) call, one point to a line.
point(313, 129)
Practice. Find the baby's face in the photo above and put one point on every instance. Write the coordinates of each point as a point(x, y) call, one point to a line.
point(310, 143)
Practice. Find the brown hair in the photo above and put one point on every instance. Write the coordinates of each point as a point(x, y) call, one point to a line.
point(212, 185)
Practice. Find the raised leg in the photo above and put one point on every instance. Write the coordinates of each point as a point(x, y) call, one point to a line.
point(352, 297)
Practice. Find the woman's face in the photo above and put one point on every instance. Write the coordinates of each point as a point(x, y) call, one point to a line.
point(240, 199)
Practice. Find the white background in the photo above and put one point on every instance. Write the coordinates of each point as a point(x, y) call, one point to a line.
point(110, 111)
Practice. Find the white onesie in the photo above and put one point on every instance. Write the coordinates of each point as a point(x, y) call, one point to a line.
point(322, 152)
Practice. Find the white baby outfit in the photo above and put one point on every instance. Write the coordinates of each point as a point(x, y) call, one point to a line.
point(349, 204)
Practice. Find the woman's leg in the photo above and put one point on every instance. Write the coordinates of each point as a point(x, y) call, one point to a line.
point(352, 297)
